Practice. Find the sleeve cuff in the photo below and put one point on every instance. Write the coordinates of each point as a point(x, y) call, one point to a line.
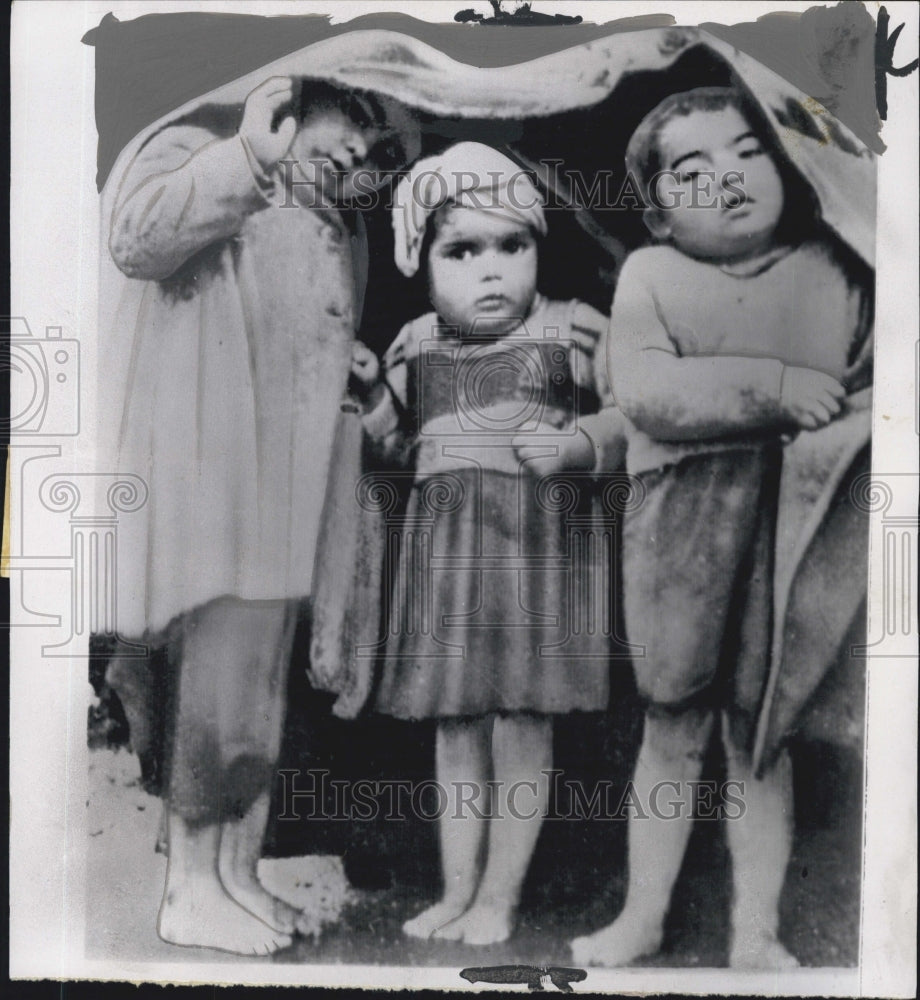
point(382, 420)
point(605, 431)
point(263, 181)
point(240, 186)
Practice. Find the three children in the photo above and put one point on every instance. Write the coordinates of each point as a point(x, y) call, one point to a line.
point(735, 329)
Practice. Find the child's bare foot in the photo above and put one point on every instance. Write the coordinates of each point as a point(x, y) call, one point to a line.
point(238, 858)
point(626, 939)
point(482, 924)
point(760, 951)
point(202, 915)
point(246, 889)
point(435, 917)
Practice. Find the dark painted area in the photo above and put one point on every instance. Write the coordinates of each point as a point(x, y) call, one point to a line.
point(827, 52)
point(886, 40)
point(147, 67)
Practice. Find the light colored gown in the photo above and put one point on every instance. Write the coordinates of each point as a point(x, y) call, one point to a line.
point(241, 340)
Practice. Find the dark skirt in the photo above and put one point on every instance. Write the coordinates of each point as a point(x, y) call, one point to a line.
point(497, 600)
point(698, 582)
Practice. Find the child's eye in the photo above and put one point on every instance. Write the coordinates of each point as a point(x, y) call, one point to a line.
point(387, 153)
point(751, 151)
point(356, 110)
point(460, 251)
point(689, 175)
point(514, 244)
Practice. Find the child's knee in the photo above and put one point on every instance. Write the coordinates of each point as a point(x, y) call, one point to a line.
point(682, 728)
point(244, 779)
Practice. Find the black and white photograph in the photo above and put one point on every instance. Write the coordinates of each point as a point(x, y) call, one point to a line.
point(461, 500)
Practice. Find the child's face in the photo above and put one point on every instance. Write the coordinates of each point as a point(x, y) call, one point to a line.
point(717, 223)
point(333, 149)
point(481, 268)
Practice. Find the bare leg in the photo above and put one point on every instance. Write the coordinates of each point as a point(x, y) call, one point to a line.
point(196, 911)
point(760, 842)
point(240, 850)
point(250, 742)
point(462, 765)
point(672, 751)
point(522, 754)
point(221, 767)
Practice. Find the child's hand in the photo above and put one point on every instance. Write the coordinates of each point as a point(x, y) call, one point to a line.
point(256, 129)
point(365, 368)
point(573, 451)
point(365, 371)
point(810, 398)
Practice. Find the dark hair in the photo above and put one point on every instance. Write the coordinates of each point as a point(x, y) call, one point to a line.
point(363, 107)
point(643, 153)
point(801, 212)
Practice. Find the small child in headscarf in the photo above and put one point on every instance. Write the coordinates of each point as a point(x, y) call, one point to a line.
point(486, 628)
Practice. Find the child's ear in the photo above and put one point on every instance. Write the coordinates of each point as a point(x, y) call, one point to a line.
point(656, 223)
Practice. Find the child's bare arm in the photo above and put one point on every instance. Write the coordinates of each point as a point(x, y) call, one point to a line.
point(574, 452)
point(606, 431)
point(187, 189)
point(598, 440)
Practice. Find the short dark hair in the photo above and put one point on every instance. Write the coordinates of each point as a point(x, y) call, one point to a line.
point(363, 107)
point(643, 153)
point(801, 211)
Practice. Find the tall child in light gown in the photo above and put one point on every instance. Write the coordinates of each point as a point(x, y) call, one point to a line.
point(242, 344)
point(489, 387)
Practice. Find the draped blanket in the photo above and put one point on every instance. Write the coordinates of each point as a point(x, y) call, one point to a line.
point(822, 566)
point(822, 539)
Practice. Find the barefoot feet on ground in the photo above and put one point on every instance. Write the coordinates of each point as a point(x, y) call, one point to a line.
point(246, 889)
point(435, 917)
point(204, 916)
point(482, 924)
point(622, 942)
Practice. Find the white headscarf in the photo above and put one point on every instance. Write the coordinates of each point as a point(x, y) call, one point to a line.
point(470, 175)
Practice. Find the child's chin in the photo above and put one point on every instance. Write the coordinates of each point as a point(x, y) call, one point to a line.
point(485, 325)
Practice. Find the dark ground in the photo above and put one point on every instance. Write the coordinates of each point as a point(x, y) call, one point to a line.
point(576, 881)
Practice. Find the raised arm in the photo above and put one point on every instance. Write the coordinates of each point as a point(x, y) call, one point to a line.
point(187, 189)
